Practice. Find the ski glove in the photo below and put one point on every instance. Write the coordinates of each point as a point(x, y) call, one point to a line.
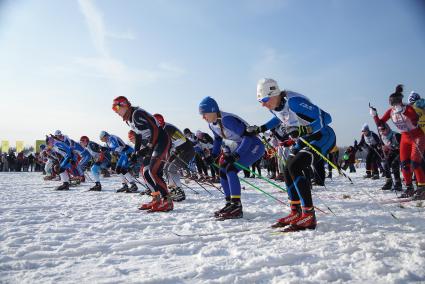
point(301, 131)
point(252, 130)
point(373, 111)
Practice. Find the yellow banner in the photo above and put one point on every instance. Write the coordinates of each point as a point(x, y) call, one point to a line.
point(19, 146)
point(5, 146)
point(38, 143)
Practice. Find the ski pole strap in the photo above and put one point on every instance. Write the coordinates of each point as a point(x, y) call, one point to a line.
point(326, 159)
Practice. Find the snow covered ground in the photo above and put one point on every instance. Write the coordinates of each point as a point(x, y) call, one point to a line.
point(89, 237)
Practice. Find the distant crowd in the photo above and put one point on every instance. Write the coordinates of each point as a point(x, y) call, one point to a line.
point(10, 162)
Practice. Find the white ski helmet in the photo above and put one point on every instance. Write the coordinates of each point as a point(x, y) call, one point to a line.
point(58, 133)
point(267, 88)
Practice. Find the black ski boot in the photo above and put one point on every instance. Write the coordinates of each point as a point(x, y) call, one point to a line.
point(218, 212)
point(388, 184)
point(146, 192)
point(375, 176)
point(132, 189)
point(420, 193)
point(177, 194)
point(123, 188)
point(234, 211)
point(409, 192)
point(368, 175)
point(64, 186)
point(96, 187)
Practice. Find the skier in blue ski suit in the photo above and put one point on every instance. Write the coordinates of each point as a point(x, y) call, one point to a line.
point(238, 147)
point(68, 158)
point(101, 158)
point(115, 144)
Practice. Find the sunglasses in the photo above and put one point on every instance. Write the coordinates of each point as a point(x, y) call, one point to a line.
point(264, 100)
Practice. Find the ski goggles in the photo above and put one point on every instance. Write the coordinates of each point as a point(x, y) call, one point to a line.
point(117, 106)
point(264, 100)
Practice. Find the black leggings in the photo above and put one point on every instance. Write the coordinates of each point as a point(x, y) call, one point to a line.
point(154, 165)
point(297, 178)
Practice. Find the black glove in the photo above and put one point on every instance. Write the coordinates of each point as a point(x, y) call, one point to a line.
point(133, 157)
point(231, 158)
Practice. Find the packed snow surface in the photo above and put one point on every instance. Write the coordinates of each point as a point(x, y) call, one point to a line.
point(77, 236)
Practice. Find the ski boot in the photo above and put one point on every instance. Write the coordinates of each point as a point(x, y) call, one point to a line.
point(368, 175)
point(146, 192)
point(124, 188)
point(388, 184)
point(218, 212)
point(307, 221)
point(156, 199)
point(132, 189)
point(164, 205)
point(420, 193)
point(409, 192)
point(375, 176)
point(106, 173)
point(177, 194)
point(96, 187)
point(234, 211)
point(49, 177)
point(64, 186)
point(286, 221)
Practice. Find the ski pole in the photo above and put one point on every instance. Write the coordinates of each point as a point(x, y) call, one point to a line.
point(327, 206)
point(195, 180)
point(261, 177)
point(88, 177)
point(326, 159)
point(364, 191)
point(174, 181)
point(262, 191)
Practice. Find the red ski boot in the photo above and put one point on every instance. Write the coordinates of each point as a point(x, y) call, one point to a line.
point(293, 216)
point(307, 221)
point(155, 200)
point(165, 205)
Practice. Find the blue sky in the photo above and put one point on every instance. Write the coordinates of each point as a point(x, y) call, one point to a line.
point(62, 62)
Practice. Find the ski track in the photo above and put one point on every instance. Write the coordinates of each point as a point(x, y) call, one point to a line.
point(100, 237)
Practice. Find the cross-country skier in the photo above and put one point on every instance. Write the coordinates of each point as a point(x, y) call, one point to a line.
point(412, 142)
point(115, 144)
point(199, 155)
point(248, 149)
point(391, 149)
point(302, 119)
point(182, 153)
point(68, 158)
point(101, 160)
point(370, 140)
point(152, 143)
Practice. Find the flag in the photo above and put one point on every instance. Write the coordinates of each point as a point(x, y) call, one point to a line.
point(38, 143)
point(19, 146)
point(5, 146)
